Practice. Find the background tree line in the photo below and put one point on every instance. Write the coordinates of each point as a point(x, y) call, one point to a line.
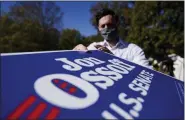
point(156, 26)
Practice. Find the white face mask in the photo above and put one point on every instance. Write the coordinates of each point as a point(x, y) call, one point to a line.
point(109, 33)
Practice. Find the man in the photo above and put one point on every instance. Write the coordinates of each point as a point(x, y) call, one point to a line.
point(107, 24)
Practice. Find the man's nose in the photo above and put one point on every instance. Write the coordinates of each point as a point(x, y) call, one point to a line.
point(108, 26)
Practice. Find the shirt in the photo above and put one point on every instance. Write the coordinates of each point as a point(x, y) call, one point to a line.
point(125, 50)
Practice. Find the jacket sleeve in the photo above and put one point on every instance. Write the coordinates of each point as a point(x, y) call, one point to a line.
point(91, 46)
point(138, 57)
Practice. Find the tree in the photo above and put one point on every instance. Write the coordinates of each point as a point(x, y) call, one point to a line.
point(157, 27)
point(19, 37)
point(29, 26)
point(5, 32)
point(48, 14)
point(70, 38)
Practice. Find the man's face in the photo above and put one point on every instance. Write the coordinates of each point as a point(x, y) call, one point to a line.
point(107, 21)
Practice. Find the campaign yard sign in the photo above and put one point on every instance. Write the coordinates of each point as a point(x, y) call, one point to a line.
point(85, 85)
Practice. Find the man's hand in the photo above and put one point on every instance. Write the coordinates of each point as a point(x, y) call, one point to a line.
point(102, 48)
point(80, 47)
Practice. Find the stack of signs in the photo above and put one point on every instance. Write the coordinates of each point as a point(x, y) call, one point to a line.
point(85, 85)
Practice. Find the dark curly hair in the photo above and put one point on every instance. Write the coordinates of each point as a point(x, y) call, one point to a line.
point(103, 12)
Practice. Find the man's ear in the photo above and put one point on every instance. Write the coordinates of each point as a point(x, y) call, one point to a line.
point(98, 30)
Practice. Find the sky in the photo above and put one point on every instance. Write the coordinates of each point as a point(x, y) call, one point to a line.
point(76, 15)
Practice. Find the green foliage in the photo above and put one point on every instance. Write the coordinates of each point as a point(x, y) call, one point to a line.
point(29, 26)
point(48, 14)
point(156, 26)
point(69, 38)
point(19, 37)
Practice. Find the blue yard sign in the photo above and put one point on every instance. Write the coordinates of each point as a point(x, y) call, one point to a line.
point(83, 85)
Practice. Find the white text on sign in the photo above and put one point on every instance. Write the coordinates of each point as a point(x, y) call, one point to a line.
point(100, 77)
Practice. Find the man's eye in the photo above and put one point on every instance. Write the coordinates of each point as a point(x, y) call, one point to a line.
point(110, 25)
point(102, 26)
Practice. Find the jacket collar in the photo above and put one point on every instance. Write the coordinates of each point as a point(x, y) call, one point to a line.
point(119, 43)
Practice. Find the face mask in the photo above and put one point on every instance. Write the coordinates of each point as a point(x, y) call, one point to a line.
point(109, 33)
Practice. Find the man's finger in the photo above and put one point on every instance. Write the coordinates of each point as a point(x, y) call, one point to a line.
point(80, 47)
point(98, 46)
